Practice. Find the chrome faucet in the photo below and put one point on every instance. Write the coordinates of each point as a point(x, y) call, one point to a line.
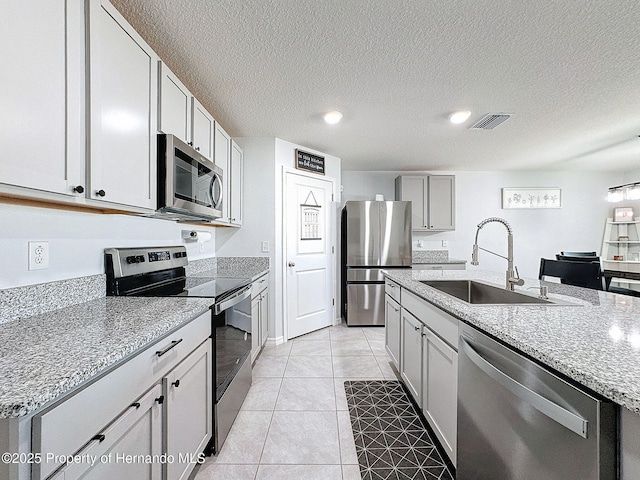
point(513, 278)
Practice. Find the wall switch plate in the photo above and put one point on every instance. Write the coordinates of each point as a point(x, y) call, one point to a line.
point(265, 246)
point(445, 243)
point(38, 255)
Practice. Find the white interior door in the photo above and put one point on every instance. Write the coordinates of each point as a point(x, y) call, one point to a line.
point(308, 253)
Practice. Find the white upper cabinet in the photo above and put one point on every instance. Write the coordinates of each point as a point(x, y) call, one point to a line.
point(236, 184)
point(432, 200)
point(123, 102)
point(182, 115)
point(203, 124)
point(175, 105)
point(41, 117)
point(222, 159)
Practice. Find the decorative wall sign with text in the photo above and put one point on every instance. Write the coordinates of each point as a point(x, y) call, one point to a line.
point(531, 198)
point(309, 162)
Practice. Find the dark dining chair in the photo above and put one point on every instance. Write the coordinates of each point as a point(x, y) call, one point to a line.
point(583, 258)
point(579, 254)
point(579, 274)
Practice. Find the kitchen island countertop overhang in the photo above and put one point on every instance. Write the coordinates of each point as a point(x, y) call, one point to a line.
point(594, 342)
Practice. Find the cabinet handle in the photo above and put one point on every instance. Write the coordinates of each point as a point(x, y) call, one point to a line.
point(166, 349)
point(135, 404)
point(197, 149)
point(101, 193)
point(160, 399)
point(191, 144)
point(424, 334)
point(416, 328)
point(78, 189)
point(100, 437)
point(396, 309)
point(176, 383)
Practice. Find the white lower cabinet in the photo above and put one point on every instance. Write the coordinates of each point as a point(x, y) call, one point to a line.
point(440, 389)
point(428, 362)
point(411, 354)
point(259, 316)
point(150, 418)
point(392, 329)
point(189, 404)
point(119, 450)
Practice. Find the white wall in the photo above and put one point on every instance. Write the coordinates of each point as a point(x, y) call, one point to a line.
point(77, 241)
point(265, 160)
point(578, 225)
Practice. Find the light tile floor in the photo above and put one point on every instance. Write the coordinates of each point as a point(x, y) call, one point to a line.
point(294, 423)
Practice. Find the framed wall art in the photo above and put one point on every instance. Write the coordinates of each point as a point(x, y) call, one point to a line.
point(623, 214)
point(531, 198)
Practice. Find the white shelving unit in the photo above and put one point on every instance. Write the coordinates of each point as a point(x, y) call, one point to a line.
point(621, 252)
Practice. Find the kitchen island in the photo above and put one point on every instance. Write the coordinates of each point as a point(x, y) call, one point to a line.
point(594, 341)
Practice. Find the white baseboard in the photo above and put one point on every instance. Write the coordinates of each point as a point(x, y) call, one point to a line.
point(272, 342)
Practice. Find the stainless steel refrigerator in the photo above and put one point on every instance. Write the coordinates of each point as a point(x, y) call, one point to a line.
point(375, 236)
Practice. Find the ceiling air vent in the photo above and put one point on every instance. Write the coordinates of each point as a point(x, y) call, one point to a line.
point(491, 120)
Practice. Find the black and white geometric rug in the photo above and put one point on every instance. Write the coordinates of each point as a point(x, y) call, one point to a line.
point(391, 441)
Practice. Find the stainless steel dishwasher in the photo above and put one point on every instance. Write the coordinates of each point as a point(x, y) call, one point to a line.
point(519, 421)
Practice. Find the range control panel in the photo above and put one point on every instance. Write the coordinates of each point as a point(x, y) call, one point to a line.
point(134, 261)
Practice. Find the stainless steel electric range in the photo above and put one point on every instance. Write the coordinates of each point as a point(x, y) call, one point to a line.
point(160, 272)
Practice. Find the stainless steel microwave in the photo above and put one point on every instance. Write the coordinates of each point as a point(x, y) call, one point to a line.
point(189, 184)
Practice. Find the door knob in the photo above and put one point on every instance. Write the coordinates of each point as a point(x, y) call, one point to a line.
point(292, 264)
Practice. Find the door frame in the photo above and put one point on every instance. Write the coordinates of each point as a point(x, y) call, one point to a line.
point(283, 251)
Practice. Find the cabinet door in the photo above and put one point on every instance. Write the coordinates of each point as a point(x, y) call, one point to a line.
point(175, 105)
point(189, 403)
point(123, 88)
point(41, 95)
point(255, 328)
point(264, 317)
point(202, 129)
point(137, 433)
point(411, 354)
point(440, 389)
point(441, 202)
point(414, 190)
point(222, 156)
point(392, 329)
point(236, 184)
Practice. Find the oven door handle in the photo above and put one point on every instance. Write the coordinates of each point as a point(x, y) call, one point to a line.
point(233, 300)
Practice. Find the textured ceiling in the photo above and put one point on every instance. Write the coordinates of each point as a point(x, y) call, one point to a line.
point(568, 71)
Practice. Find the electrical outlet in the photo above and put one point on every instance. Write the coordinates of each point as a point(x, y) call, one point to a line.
point(38, 255)
point(445, 243)
point(265, 246)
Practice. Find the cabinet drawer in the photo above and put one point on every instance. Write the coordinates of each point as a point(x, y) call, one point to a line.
point(65, 427)
point(134, 433)
point(392, 289)
point(443, 324)
point(259, 285)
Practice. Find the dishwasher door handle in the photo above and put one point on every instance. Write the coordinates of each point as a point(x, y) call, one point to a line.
point(564, 417)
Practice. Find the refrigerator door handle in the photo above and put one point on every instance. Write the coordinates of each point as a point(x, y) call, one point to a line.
point(564, 417)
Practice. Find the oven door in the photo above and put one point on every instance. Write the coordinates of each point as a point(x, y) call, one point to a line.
point(188, 183)
point(232, 337)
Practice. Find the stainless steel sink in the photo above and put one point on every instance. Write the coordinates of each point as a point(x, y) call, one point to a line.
point(478, 293)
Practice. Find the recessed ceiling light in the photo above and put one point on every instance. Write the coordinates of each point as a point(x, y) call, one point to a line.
point(459, 116)
point(332, 117)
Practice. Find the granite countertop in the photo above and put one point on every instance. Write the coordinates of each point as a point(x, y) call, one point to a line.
point(56, 336)
point(595, 342)
point(47, 355)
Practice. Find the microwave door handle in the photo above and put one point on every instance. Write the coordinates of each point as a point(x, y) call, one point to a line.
point(218, 200)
